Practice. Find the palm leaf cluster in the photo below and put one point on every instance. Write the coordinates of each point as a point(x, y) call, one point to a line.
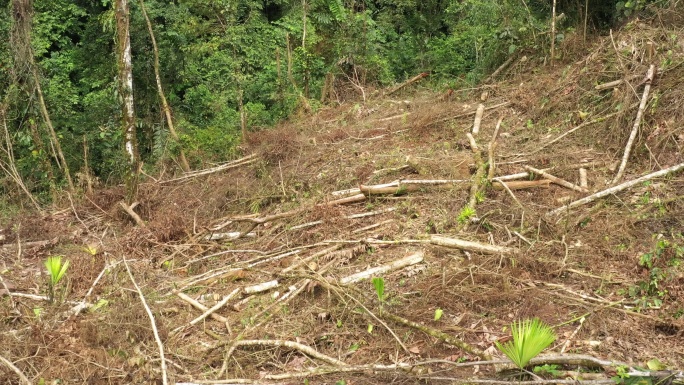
point(530, 337)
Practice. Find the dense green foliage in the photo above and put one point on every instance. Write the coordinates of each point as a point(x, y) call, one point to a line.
point(261, 57)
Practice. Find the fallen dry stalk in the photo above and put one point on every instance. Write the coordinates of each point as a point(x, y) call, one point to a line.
point(556, 180)
point(303, 261)
point(16, 370)
point(293, 345)
point(491, 148)
point(226, 166)
point(406, 83)
point(462, 115)
point(616, 189)
point(254, 222)
point(567, 359)
point(437, 334)
point(407, 185)
point(478, 118)
point(129, 210)
point(160, 345)
point(216, 307)
point(201, 307)
point(476, 180)
point(504, 185)
point(582, 125)
point(394, 265)
point(637, 122)
point(440, 240)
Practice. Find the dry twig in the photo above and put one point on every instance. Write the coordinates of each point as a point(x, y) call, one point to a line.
point(160, 345)
point(637, 122)
point(615, 189)
point(556, 180)
point(16, 370)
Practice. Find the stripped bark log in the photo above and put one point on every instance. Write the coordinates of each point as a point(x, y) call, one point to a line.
point(448, 118)
point(395, 265)
point(440, 240)
point(216, 307)
point(583, 178)
point(476, 181)
point(637, 122)
point(129, 210)
point(616, 189)
point(201, 307)
point(556, 180)
point(226, 166)
point(402, 186)
point(491, 149)
point(406, 83)
point(478, 118)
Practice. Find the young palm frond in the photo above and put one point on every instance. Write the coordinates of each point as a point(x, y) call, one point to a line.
point(530, 337)
point(56, 269)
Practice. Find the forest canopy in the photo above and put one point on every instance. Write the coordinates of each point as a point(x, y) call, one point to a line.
point(230, 66)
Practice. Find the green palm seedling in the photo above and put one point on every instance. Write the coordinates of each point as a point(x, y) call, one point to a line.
point(56, 270)
point(530, 337)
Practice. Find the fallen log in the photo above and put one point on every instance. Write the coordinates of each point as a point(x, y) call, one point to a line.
point(440, 240)
point(394, 265)
point(615, 189)
point(406, 83)
point(404, 186)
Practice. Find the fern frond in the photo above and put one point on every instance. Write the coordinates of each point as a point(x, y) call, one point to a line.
point(337, 9)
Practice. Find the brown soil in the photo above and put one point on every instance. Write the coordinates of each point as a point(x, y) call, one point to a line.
point(588, 263)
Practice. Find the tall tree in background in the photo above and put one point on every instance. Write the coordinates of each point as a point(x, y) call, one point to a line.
point(26, 75)
point(162, 97)
point(123, 50)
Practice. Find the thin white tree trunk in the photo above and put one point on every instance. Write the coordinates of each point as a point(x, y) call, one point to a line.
point(553, 32)
point(126, 92)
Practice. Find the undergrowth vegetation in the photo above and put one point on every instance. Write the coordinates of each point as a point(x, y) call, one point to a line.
point(229, 66)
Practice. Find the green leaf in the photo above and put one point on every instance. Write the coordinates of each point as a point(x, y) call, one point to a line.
point(530, 337)
point(99, 305)
point(379, 284)
point(438, 314)
point(655, 364)
point(56, 269)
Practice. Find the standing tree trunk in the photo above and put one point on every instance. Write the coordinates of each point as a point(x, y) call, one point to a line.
point(25, 64)
point(165, 105)
point(53, 135)
point(123, 50)
point(553, 32)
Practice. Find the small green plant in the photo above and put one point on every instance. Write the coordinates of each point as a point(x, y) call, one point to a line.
point(466, 213)
point(662, 263)
point(530, 337)
point(56, 270)
point(479, 197)
point(621, 374)
point(546, 369)
point(438, 314)
point(379, 285)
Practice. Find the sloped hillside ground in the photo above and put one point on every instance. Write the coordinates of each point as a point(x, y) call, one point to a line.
point(272, 243)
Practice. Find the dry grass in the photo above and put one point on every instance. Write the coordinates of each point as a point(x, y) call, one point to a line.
point(593, 252)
